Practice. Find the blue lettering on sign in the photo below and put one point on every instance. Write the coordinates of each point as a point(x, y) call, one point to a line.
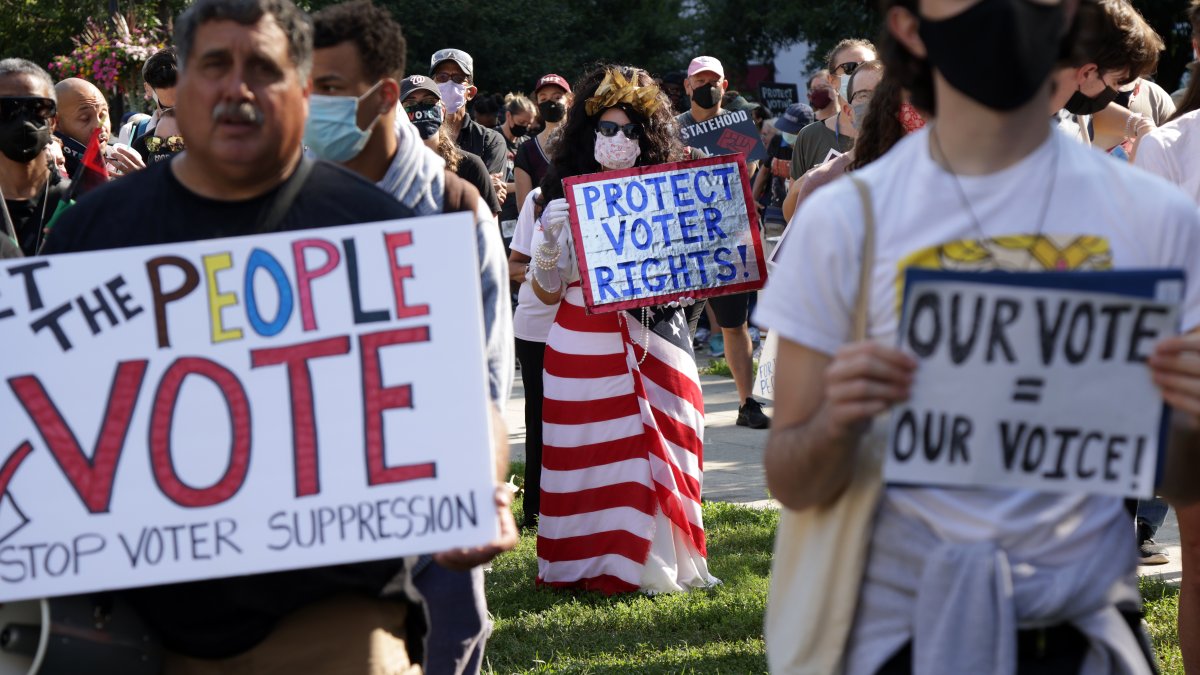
point(706, 198)
point(618, 243)
point(711, 218)
point(677, 264)
point(636, 208)
point(724, 172)
point(631, 289)
point(681, 191)
point(653, 282)
point(604, 277)
point(633, 234)
point(663, 220)
point(698, 258)
point(728, 271)
point(260, 259)
point(657, 182)
point(612, 198)
point(591, 194)
point(687, 229)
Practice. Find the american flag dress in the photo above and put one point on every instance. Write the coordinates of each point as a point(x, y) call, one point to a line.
point(622, 458)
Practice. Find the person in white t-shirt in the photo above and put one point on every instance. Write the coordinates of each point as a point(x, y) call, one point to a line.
point(985, 579)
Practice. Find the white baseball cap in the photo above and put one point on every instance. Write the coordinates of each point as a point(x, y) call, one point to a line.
point(706, 63)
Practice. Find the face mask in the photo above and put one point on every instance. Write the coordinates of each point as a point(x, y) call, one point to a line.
point(910, 119)
point(819, 99)
point(844, 87)
point(454, 95)
point(707, 97)
point(616, 152)
point(23, 138)
point(552, 111)
point(518, 130)
point(790, 139)
point(860, 113)
point(963, 48)
point(427, 118)
point(1082, 104)
point(332, 131)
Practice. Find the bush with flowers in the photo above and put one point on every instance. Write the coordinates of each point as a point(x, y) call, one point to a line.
point(110, 60)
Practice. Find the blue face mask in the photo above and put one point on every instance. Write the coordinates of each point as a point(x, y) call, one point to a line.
point(332, 131)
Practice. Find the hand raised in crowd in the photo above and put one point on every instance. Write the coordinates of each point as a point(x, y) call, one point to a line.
point(124, 159)
point(864, 379)
point(499, 186)
point(465, 558)
point(1175, 367)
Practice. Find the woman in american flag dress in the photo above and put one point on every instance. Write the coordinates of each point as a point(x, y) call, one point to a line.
point(623, 414)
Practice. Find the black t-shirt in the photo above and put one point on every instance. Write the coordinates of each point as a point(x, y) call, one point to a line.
point(221, 617)
point(29, 216)
point(531, 159)
point(472, 170)
point(508, 210)
point(486, 143)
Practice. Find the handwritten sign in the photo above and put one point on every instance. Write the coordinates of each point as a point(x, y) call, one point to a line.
point(777, 96)
point(731, 133)
point(1033, 380)
point(236, 406)
point(652, 234)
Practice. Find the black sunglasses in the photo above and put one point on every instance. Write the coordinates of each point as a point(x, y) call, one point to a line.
point(848, 67)
point(610, 129)
point(36, 106)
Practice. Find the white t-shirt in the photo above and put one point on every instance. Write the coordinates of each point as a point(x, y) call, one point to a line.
point(1173, 152)
point(533, 318)
point(1100, 214)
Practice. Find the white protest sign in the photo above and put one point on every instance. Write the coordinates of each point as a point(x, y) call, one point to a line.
point(1026, 387)
point(764, 379)
point(235, 406)
point(652, 234)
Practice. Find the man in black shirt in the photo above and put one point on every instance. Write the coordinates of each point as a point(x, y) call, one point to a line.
point(31, 188)
point(454, 72)
point(244, 70)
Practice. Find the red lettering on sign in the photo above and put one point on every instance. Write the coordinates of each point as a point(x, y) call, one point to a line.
point(393, 241)
point(378, 399)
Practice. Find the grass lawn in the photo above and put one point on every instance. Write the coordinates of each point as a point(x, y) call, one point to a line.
point(703, 632)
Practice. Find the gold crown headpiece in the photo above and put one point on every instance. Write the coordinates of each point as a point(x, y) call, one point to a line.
point(616, 89)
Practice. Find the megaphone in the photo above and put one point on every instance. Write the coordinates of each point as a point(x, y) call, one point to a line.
point(75, 634)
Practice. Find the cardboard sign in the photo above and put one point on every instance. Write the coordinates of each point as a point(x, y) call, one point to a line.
point(1034, 380)
point(777, 96)
point(731, 133)
point(649, 235)
point(236, 406)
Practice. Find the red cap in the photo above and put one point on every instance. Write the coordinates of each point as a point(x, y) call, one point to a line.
point(556, 80)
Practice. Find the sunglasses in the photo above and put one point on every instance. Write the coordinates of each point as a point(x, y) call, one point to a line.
point(459, 78)
point(30, 106)
point(847, 68)
point(610, 129)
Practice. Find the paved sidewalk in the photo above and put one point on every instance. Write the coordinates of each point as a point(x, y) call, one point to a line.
point(733, 455)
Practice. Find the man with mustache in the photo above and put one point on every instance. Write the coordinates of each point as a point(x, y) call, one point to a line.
point(243, 89)
point(81, 110)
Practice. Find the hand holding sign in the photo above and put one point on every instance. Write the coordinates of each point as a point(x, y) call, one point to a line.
point(864, 380)
point(1175, 367)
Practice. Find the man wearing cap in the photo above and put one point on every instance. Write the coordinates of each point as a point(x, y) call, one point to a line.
point(454, 72)
point(705, 85)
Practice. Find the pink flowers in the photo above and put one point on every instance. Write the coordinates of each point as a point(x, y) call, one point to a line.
point(110, 62)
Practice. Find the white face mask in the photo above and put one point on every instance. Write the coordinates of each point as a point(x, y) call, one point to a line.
point(790, 139)
point(454, 95)
point(617, 151)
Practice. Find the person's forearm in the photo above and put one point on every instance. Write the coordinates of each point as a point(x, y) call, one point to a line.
point(499, 442)
point(806, 467)
point(1181, 475)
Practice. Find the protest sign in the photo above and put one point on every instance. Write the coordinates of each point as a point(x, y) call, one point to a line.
point(245, 405)
point(764, 378)
point(1033, 380)
point(731, 133)
point(652, 234)
point(777, 96)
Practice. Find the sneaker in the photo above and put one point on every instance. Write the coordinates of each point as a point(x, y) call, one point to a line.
point(716, 345)
point(1150, 553)
point(751, 414)
point(702, 334)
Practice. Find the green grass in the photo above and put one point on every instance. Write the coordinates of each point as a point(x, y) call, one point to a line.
point(713, 631)
point(721, 367)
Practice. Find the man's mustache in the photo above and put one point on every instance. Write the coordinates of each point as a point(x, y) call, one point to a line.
point(242, 112)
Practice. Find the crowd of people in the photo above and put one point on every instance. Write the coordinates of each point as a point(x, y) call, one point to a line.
point(1059, 156)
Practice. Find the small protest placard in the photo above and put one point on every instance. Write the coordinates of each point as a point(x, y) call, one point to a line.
point(649, 235)
point(777, 96)
point(732, 133)
point(1033, 380)
point(245, 405)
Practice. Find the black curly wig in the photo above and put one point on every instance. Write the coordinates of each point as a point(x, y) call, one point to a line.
point(574, 151)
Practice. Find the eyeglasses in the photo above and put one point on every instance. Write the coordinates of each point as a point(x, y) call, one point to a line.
point(36, 106)
point(459, 78)
point(847, 68)
point(610, 129)
point(862, 96)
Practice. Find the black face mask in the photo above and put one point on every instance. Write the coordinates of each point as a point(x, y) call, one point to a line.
point(552, 111)
point(707, 97)
point(1081, 104)
point(23, 138)
point(518, 130)
point(963, 49)
point(427, 118)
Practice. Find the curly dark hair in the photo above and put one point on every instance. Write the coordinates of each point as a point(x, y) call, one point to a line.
point(380, 42)
point(574, 153)
point(880, 129)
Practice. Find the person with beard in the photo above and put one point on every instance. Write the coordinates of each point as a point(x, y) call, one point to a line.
point(32, 189)
point(816, 143)
point(423, 105)
point(245, 76)
point(553, 96)
point(81, 110)
point(454, 72)
point(623, 416)
point(980, 579)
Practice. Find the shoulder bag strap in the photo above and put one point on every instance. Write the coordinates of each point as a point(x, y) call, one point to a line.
point(862, 303)
point(270, 220)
